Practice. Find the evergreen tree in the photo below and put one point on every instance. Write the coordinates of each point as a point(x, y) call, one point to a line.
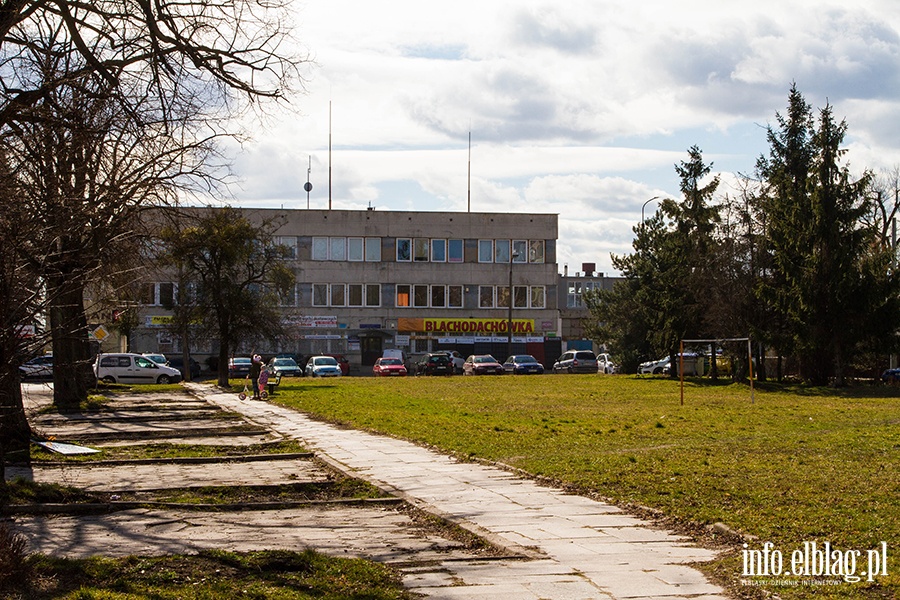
point(829, 277)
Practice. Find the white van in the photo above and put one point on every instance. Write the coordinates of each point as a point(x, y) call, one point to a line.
point(133, 368)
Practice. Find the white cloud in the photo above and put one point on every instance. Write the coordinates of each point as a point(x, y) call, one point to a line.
point(580, 108)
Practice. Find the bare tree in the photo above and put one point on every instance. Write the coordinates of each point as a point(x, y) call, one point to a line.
point(164, 47)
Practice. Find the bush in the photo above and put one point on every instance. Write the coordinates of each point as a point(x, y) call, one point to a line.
point(14, 568)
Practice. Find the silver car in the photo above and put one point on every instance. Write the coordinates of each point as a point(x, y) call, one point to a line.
point(576, 361)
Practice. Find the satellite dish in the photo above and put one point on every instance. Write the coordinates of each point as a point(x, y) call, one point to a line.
point(307, 186)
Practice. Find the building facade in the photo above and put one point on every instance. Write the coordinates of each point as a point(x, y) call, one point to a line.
point(416, 281)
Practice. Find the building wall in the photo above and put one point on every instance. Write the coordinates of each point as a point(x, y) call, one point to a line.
point(351, 304)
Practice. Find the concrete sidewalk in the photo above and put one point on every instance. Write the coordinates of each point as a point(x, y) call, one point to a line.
point(579, 548)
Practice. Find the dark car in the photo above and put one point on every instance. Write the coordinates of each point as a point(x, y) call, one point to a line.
point(239, 366)
point(482, 364)
point(178, 363)
point(434, 364)
point(285, 367)
point(523, 364)
point(891, 376)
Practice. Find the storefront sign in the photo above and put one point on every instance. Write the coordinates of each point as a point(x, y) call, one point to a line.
point(313, 321)
point(485, 326)
point(159, 320)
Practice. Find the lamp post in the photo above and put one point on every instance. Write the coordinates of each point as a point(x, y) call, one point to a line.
point(509, 324)
point(644, 205)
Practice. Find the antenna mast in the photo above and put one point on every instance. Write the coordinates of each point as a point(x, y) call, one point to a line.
point(469, 180)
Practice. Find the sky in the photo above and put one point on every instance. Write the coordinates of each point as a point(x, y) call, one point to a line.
point(579, 108)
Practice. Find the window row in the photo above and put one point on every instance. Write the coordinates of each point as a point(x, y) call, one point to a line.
point(430, 250)
point(429, 296)
point(523, 251)
point(346, 294)
point(356, 249)
point(524, 296)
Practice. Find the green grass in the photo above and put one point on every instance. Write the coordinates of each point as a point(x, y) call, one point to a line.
point(275, 575)
point(161, 451)
point(797, 465)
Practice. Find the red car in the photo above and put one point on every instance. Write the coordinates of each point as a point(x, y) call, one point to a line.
point(343, 363)
point(385, 367)
point(482, 364)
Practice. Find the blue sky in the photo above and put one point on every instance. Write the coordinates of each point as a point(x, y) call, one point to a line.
point(579, 108)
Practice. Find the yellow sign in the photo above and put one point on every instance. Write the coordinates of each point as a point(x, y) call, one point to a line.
point(100, 333)
point(466, 325)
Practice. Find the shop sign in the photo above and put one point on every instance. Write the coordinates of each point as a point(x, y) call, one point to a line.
point(483, 326)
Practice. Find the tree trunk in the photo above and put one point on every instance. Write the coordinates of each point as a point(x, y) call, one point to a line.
point(15, 433)
point(73, 375)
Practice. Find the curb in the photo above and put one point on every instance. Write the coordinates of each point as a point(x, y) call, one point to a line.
point(116, 506)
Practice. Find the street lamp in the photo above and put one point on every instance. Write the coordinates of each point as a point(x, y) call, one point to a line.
point(644, 205)
point(509, 325)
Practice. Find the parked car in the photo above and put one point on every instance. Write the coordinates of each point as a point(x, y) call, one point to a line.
point(37, 367)
point(434, 364)
point(482, 364)
point(284, 367)
point(891, 376)
point(606, 365)
point(239, 366)
point(133, 368)
point(455, 358)
point(386, 367)
point(523, 364)
point(157, 358)
point(576, 361)
point(654, 367)
point(323, 366)
point(178, 363)
point(342, 362)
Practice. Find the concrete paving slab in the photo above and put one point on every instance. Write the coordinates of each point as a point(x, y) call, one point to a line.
point(617, 555)
point(568, 546)
point(143, 477)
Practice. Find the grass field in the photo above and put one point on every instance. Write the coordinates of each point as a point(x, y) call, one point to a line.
point(797, 465)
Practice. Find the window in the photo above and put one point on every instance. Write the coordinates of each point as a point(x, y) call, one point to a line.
point(485, 251)
point(373, 249)
point(289, 297)
point(520, 296)
point(320, 294)
point(403, 293)
point(503, 297)
point(455, 296)
point(420, 296)
point(288, 245)
point(536, 251)
point(455, 251)
point(421, 250)
point(167, 294)
point(355, 249)
point(148, 294)
point(485, 296)
point(438, 296)
point(356, 294)
point(338, 291)
point(320, 248)
point(538, 296)
point(373, 294)
point(404, 249)
point(520, 251)
point(439, 250)
point(337, 248)
point(501, 251)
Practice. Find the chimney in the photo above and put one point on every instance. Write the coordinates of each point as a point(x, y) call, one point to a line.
point(566, 270)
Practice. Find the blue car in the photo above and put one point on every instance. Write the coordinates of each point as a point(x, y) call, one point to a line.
point(523, 364)
point(891, 376)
